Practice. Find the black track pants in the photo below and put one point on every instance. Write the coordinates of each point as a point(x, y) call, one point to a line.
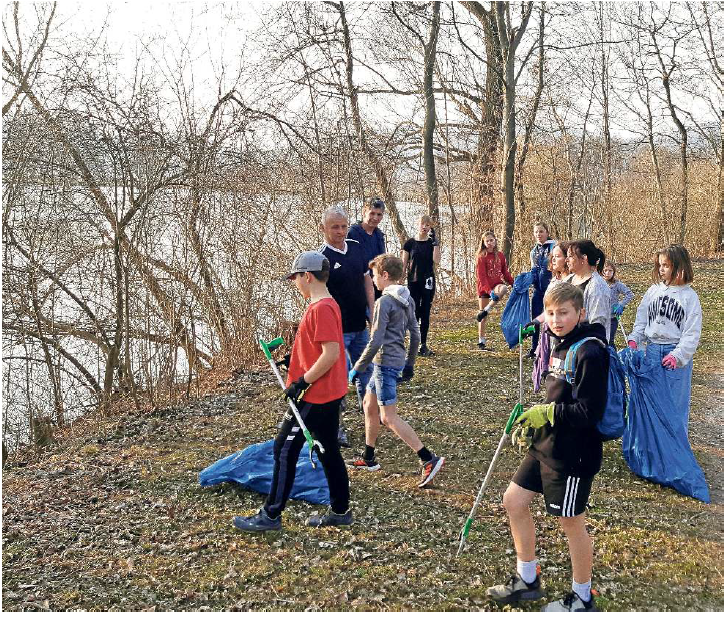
point(423, 299)
point(322, 421)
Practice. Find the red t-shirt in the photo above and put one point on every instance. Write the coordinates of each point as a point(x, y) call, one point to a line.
point(321, 323)
point(491, 270)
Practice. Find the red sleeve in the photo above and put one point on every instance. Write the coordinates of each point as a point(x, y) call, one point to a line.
point(482, 284)
point(325, 324)
point(505, 271)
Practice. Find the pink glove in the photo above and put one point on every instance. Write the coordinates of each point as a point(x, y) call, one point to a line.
point(669, 361)
point(631, 344)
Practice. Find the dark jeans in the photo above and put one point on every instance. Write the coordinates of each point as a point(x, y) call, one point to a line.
point(537, 307)
point(322, 421)
point(423, 299)
point(613, 331)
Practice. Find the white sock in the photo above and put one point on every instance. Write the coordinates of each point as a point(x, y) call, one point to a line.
point(583, 590)
point(481, 339)
point(527, 570)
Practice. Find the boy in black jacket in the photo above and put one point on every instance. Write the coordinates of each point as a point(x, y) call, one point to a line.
point(565, 454)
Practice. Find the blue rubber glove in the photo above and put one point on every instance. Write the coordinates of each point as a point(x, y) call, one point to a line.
point(537, 416)
point(494, 297)
point(617, 310)
point(352, 375)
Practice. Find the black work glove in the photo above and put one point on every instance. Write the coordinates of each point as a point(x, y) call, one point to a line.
point(296, 390)
point(284, 361)
point(433, 237)
point(528, 331)
point(407, 373)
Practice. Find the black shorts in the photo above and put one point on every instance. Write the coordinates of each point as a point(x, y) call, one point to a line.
point(484, 295)
point(564, 495)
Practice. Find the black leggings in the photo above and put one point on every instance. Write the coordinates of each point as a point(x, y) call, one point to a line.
point(423, 299)
point(322, 421)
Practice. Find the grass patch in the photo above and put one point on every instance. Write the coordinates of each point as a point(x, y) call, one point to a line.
point(120, 523)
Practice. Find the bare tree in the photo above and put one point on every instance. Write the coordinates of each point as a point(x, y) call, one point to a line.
point(510, 37)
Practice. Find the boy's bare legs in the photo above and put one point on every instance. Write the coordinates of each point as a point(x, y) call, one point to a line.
point(516, 500)
point(391, 419)
point(580, 547)
point(372, 418)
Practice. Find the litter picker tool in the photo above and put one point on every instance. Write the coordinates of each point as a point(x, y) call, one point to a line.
point(515, 413)
point(268, 348)
point(624, 334)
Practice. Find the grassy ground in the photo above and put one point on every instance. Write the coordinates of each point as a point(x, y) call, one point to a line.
point(114, 519)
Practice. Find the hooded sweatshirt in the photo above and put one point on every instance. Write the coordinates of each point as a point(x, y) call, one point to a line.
point(393, 316)
point(573, 445)
point(670, 315)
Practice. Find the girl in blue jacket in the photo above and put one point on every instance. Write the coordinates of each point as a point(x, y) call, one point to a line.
point(542, 274)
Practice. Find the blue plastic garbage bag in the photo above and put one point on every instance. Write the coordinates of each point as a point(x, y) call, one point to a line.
point(252, 468)
point(655, 443)
point(518, 309)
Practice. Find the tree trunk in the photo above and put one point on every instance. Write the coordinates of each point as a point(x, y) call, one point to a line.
point(483, 196)
point(380, 172)
point(431, 182)
point(510, 37)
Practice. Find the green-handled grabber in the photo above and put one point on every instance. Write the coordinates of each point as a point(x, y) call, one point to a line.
point(268, 348)
point(515, 413)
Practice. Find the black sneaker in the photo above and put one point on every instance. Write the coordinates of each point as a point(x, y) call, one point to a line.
point(482, 315)
point(260, 521)
point(342, 439)
point(426, 352)
point(363, 463)
point(572, 603)
point(331, 519)
point(516, 590)
point(430, 469)
point(482, 347)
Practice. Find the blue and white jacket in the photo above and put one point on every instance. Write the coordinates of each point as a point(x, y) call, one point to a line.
point(540, 264)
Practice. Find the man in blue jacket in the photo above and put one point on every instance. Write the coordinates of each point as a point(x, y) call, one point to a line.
point(367, 231)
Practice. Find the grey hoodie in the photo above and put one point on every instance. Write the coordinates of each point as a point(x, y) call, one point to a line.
point(394, 314)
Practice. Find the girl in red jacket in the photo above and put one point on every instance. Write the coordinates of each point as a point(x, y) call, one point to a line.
point(491, 272)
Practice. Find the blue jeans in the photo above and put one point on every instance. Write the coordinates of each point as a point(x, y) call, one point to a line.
point(384, 384)
point(355, 343)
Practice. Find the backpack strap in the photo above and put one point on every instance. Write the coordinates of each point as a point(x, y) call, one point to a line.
point(569, 361)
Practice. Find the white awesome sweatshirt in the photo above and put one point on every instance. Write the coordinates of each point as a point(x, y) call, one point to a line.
point(670, 315)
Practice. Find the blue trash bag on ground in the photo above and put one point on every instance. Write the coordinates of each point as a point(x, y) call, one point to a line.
point(655, 443)
point(518, 309)
point(252, 468)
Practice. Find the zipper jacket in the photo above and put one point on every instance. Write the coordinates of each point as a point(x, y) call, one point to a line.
point(393, 316)
point(573, 445)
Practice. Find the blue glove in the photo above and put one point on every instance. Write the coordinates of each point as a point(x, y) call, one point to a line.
point(494, 297)
point(407, 373)
point(617, 310)
point(352, 375)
